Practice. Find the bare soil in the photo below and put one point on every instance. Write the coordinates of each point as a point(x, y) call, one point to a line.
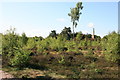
point(5, 75)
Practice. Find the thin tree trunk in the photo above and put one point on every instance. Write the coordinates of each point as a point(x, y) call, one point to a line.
point(73, 32)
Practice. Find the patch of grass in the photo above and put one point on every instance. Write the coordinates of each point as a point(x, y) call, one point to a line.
point(61, 60)
point(99, 71)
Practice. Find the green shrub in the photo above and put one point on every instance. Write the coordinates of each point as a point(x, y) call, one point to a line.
point(45, 53)
point(103, 44)
point(94, 43)
point(82, 66)
point(90, 53)
point(82, 43)
point(10, 42)
point(57, 44)
point(79, 36)
point(61, 60)
point(44, 45)
point(39, 47)
point(76, 50)
point(89, 43)
point(92, 65)
point(70, 45)
point(50, 43)
point(112, 48)
point(12, 49)
point(24, 39)
point(20, 59)
point(99, 71)
point(30, 44)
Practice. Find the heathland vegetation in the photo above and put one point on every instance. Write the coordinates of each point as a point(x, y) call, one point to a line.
point(58, 53)
point(61, 55)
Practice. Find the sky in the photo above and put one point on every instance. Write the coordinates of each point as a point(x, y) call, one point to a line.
point(39, 18)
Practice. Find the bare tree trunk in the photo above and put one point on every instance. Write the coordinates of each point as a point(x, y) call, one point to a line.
point(73, 32)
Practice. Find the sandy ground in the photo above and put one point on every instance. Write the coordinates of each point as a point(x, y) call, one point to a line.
point(2, 73)
point(5, 75)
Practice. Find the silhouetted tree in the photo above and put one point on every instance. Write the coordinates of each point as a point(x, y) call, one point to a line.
point(41, 38)
point(66, 33)
point(53, 34)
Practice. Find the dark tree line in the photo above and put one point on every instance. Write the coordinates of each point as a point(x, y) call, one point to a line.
point(67, 34)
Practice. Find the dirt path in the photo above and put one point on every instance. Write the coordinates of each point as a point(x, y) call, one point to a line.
point(5, 75)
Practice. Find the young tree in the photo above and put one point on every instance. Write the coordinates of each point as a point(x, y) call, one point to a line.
point(12, 50)
point(112, 47)
point(75, 15)
point(24, 39)
point(79, 36)
point(66, 30)
point(10, 42)
point(1, 35)
point(53, 34)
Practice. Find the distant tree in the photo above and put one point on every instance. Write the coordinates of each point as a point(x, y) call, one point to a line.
point(24, 39)
point(97, 37)
point(53, 34)
point(66, 30)
point(66, 33)
point(41, 38)
point(75, 14)
point(88, 36)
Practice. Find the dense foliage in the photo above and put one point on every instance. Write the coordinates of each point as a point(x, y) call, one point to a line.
point(14, 45)
point(110, 44)
point(60, 50)
point(12, 49)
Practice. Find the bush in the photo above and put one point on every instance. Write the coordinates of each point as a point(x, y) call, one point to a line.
point(95, 43)
point(12, 49)
point(24, 39)
point(70, 45)
point(10, 42)
point(30, 44)
point(90, 53)
point(61, 60)
point(84, 43)
point(92, 65)
point(57, 44)
point(79, 36)
point(99, 71)
point(20, 59)
point(43, 45)
point(50, 43)
point(112, 48)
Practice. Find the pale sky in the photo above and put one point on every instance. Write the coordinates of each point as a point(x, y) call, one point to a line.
point(39, 18)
